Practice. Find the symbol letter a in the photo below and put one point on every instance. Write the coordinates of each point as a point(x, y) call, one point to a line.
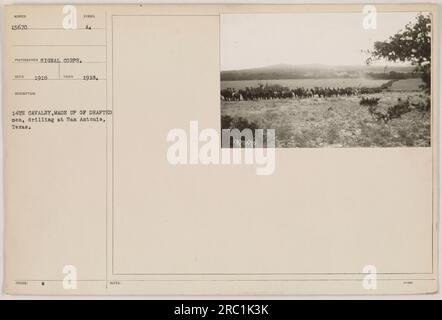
point(70, 18)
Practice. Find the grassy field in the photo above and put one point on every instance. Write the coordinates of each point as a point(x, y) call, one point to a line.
point(407, 85)
point(306, 83)
point(335, 122)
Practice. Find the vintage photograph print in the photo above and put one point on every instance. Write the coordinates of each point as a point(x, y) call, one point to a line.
point(328, 79)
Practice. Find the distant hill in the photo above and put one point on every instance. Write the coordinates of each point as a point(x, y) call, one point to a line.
point(319, 71)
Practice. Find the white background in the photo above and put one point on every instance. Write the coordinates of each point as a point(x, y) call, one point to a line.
point(3, 296)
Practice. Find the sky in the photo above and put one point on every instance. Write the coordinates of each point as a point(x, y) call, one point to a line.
point(255, 40)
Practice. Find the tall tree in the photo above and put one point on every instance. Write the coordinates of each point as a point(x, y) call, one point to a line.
point(413, 44)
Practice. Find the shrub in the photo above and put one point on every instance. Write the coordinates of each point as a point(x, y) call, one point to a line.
point(240, 123)
point(369, 101)
point(393, 112)
point(398, 109)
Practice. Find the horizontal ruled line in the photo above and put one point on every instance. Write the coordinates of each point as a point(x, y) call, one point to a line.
point(59, 45)
point(231, 280)
point(38, 62)
point(92, 80)
point(76, 29)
